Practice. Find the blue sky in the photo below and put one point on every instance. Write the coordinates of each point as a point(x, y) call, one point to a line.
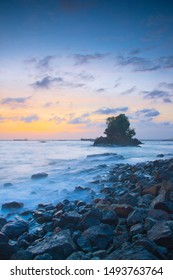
point(67, 65)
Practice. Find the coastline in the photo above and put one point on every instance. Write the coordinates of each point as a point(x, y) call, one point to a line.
point(133, 219)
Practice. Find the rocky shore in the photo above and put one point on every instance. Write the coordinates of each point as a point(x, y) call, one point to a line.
point(132, 219)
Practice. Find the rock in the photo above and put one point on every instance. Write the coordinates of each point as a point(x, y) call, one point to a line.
point(153, 190)
point(6, 185)
point(151, 247)
point(78, 256)
point(131, 252)
point(71, 217)
point(59, 246)
point(12, 205)
point(100, 236)
point(128, 199)
point(136, 229)
point(110, 217)
point(21, 255)
point(3, 238)
point(149, 223)
point(39, 176)
point(91, 218)
point(15, 229)
point(158, 214)
point(42, 217)
point(43, 257)
point(138, 215)
point(2, 222)
point(84, 244)
point(101, 254)
point(123, 210)
point(6, 251)
point(161, 234)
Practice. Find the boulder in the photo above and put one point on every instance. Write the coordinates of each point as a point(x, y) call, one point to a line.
point(161, 234)
point(84, 244)
point(78, 256)
point(123, 210)
point(71, 217)
point(3, 221)
point(59, 246)
point(91, 218)
point(138, 215)
point(22, 255)
point(100, 236)
point(42, 217)
point(39, 176)
point(15, 229)
point(136, 229)
point(3, 238)
point(44, 257)
point(158, 214)
point(6, 251)
point(110, 217)
point(12, 205)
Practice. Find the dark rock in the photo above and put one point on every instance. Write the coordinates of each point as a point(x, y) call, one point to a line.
point(22, 255)
point(100, 236)
point(71, 217)
point(6, 251)
point(43, 257)
point(158, 214)
point(131, 252)
point(84, 244)
point(136, 229)
point(149, 223)
point(149, 245)
point(6, 185)
point(3, 238)
point(110, 217)
point(137, 216)
point(123, 210)
point(39, 176)
point(161, 234)
point(59, 246)
point(12, 205)
point(78, 256)
point(2, 222)
point(164, 205)
point(91, 218)
point(42, 217)
point(101, 254)
point(160, 155)
point(128, 199)
point(153, 190)
point(15, 229)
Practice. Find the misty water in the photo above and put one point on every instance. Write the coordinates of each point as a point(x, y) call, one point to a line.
point(67, 163)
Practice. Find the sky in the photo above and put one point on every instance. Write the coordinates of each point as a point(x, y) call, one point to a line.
point(68, 65)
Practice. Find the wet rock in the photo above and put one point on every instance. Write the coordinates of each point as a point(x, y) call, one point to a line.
point(6, 251)
point(91, 218)
point(71, 217)
point(130, 252)
point(3, 238)
point(138, 215)
point(153, 190)
point(129, 199)
point(150, 246)
point(15, 229)
point(12, 205)
point(136, 229)
point(100, 236)
point(161, 234)
point(123, 210)
point(39, 176)
point(110, 217)
point(22, 255)
point(84, 244)
point(158, 214)
point(59, 246)
point(6, 185)
point(42, 217)
point(149, 223)
point(2, 222)
point(43, 257)
point(160, 155)
point(78, 256)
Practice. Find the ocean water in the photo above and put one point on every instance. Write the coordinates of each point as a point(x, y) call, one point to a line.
point(68, 164)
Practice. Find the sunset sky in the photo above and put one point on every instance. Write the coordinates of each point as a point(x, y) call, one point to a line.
point(68, 65)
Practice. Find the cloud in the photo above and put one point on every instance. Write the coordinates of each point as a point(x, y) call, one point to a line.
point(166, 61)
point(158, 94)
point(129, 91)
point(166, 85)
point(86, 58)
point(46, 82)
point(107, 111)
point(15, 102)
point(57, 120)
point(101, 90)
point(83, 119)
point(135, 51)
point(86, 77)
point(51, 104)
point(148, 113)
point(139, 63)
point(44, 63)
point(29, 119)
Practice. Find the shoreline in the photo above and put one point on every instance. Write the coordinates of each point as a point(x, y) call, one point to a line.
point(132, 219)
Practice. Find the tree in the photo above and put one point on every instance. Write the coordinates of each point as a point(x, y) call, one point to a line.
point(118, 132)
point(119, 127)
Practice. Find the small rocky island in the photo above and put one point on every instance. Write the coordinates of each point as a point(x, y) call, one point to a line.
point(118, 132)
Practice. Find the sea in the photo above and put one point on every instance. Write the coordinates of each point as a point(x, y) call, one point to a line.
point(69, 164)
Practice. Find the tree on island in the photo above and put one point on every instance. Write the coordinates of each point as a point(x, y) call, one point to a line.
point(118, 132)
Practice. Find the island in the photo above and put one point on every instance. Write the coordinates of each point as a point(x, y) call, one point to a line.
point(118, 132)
